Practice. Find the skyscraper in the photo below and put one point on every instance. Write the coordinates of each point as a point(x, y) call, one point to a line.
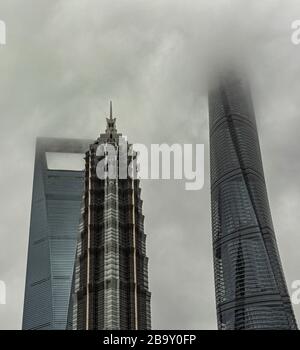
point(55, 215)
point(110, 287)
point(251, 292)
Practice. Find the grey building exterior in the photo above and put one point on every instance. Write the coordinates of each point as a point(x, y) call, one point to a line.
point(110, 285)
point(251, 291)
point(55, 215)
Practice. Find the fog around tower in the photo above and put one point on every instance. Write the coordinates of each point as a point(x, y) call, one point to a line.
point(65, 60)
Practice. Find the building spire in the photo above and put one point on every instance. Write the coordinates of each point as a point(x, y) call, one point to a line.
point(111, 122)
point(111, 111)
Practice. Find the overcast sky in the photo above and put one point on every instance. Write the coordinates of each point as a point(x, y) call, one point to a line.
point(65, 59)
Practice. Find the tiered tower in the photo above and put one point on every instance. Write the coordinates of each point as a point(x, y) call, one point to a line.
point(110, 286)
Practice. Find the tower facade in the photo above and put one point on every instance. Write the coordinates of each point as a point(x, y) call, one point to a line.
point(55, 215)
point(251, 292)
point(110, 286)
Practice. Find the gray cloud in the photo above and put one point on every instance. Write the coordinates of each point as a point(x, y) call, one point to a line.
point(63, 62)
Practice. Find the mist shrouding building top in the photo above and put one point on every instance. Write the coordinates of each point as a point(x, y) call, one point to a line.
point(110, 284)
point(55, 214)
point(251, 292)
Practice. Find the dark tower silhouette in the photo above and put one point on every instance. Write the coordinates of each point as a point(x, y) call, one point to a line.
point(110, 286)
point(55, 214)
point(251, 292)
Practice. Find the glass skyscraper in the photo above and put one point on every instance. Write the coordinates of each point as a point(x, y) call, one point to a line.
point(110, 285)
point(251, 292)
point(55, 215)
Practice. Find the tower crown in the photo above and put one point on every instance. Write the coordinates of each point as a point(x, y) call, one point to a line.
point(111, 123)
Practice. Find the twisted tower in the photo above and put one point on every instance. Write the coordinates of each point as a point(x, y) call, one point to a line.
point(251, 292)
